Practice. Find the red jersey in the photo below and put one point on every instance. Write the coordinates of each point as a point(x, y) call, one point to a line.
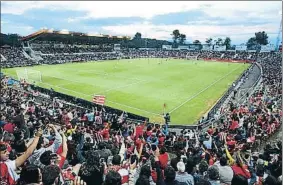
point(163, 158)
point(241, 171)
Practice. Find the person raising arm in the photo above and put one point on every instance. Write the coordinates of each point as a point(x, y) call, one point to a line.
point(8, 167)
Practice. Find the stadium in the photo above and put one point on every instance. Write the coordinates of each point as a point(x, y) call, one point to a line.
point(120, 103)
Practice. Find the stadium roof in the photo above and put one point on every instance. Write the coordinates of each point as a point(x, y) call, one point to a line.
point(46, 34)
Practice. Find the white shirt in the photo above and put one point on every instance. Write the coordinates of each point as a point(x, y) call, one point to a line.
point(11, 165)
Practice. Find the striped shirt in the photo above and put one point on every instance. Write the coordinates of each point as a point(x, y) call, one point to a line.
point(97, 137)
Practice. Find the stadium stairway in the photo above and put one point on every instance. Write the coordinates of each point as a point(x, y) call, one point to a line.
point(3, 58)
point(32, 54)
point(26, 55)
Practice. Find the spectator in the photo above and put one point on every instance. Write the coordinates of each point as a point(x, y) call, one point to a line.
point(31, 174)
point(113, 178)
point(213, 175)
point(92, 169)
point(239, 179)
point(225, 172)
point(8, 167)
point(182, 176)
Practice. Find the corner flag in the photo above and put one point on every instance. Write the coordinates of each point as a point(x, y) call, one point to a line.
point(164, 107)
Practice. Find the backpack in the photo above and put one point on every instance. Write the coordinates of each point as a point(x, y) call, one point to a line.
point(5, 178)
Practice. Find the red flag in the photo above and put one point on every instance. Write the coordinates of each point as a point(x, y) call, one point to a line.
point(98, 99)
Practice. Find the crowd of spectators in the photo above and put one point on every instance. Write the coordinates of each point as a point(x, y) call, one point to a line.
point(70, 50)
point(49, 47)
point(57, 55)
point(228, 55)
point(50, 142)
point(14, 57)
point(65, 58)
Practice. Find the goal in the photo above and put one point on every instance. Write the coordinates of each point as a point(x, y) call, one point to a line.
point(188, 57)
point(29, 74)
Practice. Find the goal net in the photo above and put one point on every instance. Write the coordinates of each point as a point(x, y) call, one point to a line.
point(188, 57)
point(29, 75)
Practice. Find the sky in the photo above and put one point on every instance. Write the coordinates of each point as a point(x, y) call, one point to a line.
point(238, 20)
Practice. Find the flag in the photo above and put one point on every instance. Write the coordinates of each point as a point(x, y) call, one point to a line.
point(164, 107)
point(98, 99)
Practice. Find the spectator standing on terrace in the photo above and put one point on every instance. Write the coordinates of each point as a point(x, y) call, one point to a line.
point(8, 167)
point(40, 148)
point(213, 175)
point(225, 172)
point(19, 120)
point(182, 176)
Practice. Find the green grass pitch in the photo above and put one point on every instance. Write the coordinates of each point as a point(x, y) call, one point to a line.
point(141, 86)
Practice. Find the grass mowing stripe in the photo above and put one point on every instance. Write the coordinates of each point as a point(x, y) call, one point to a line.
point(195, 95)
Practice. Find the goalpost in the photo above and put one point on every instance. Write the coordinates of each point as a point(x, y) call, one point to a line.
point(29, 75)
point(188, 57)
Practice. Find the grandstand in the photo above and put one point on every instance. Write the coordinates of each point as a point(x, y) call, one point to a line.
point(55, 47)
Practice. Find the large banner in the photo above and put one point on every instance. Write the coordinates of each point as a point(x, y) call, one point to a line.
point(207, 47)
point(267, 48)
point(219, 48)
point(241, 48)
point(169, 47)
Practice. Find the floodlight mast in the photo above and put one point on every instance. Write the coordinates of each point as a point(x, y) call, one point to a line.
point(279, 33)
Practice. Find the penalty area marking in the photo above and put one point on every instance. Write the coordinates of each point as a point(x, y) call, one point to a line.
point(198, 93)
point(119, 87)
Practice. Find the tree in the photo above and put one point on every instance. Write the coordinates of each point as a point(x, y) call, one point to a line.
point(227, 42)
point(182, 38)
point(176, 35)
point(196, 42)
point(252, 42)
point(138, 35)
point(261, 38)
point(219, 42)
point(208, 41)
point(233, 47)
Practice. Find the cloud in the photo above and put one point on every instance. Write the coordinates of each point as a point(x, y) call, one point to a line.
point(145, 9)
point(101, 9)
point(193, 32)
point(154, 19)
point(4, 22)
point(24, 29)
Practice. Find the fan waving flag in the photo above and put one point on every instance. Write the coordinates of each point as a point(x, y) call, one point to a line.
point(99, 99)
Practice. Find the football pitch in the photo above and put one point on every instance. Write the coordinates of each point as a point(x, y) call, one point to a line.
point(142, 86)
